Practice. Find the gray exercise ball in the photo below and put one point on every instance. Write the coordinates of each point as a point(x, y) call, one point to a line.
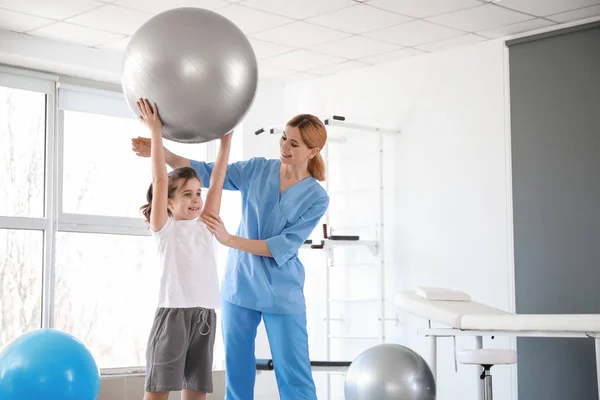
point(389, 372)
point(197, 66)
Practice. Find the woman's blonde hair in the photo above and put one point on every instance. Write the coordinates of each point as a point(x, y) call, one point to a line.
point(314, 134)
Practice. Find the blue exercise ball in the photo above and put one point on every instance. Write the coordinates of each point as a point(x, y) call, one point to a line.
point(48, 364)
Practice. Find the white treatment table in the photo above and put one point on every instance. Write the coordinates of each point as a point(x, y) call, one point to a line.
point(463, 317)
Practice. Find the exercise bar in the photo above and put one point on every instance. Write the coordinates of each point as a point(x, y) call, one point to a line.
point(264, 364)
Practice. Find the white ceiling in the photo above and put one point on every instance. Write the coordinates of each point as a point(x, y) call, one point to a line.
point(298, 39)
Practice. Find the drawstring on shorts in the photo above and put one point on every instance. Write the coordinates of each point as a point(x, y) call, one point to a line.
point(204, 322)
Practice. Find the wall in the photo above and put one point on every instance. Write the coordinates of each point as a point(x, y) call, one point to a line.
point(132, 387)
point(266, 110)
point(446, 180)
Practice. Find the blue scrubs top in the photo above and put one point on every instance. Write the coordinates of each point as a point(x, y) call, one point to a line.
point(269, 284)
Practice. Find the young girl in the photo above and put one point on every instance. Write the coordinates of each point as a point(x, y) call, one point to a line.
point(180, 347)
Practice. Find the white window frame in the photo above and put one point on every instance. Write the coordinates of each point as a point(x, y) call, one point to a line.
point(91, 223)
point(88, 223)
point(46, 84)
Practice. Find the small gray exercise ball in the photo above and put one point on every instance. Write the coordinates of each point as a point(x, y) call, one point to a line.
point(197, 66)
point(389, 372)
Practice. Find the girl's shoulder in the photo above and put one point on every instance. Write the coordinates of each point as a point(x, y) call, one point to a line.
point(164, 229)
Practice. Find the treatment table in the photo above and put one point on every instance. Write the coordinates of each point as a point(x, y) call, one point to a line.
point(462, 316)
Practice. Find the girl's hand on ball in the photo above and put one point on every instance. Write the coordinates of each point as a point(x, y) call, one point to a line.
point(141, 146)
point(149, 115)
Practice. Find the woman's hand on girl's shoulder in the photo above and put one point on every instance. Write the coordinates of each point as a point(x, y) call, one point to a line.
point(216, 226)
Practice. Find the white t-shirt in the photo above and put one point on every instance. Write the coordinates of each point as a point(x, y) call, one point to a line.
point(188, 276)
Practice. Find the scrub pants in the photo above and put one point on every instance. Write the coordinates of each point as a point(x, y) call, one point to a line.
point(288, 341)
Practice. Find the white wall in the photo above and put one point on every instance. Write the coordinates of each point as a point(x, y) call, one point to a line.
point(266, 110)
point(449, 199)
point(132, 388)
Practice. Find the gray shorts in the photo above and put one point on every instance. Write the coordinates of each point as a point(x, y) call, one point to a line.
point(180, 350)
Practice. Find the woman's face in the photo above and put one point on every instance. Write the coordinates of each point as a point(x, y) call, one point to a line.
point(292, 148)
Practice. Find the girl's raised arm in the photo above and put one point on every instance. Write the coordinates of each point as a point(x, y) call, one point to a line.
point(160, 180)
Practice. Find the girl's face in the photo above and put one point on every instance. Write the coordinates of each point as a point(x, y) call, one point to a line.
point(292, 148)
point(187, 202)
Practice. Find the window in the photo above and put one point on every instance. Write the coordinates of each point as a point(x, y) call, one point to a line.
point(106, 276)
point(22, 135)
point(101, 175)
point(20, 282)
point(106, 289)
point(23, 110)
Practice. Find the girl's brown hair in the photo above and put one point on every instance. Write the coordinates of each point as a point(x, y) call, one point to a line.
point(176, 177)
point(314, 134)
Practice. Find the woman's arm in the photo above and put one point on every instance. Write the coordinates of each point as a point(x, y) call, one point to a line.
point(175, 161)
point(141, 147)
point(160, 180)
point(279, 247)
point(258, 247)
point(217, 228)
point(234, 177)
point(217, 177)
